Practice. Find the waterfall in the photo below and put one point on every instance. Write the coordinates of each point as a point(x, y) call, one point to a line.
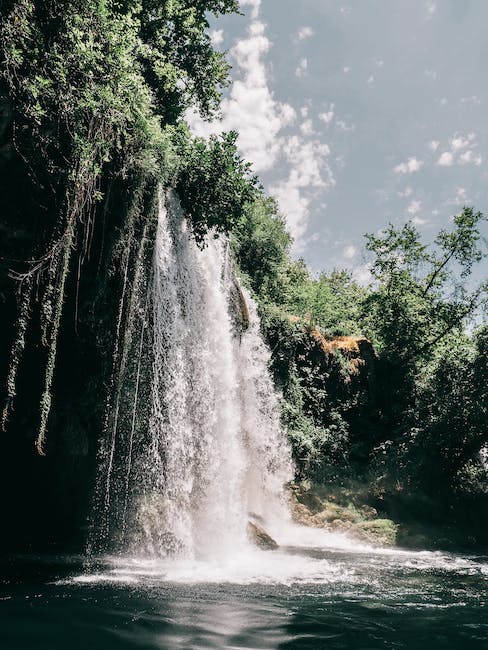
point(213, 450)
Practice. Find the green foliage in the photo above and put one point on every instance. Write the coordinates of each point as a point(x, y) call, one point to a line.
point(422, 294)
point(332, 300)
point(176, 54)
point(261, 247)
point(449, 423)
point(411, 420)
point(213, 184)
point(97, 89)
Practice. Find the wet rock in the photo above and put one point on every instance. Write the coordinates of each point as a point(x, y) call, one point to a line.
point(359, 523)
point(238, 309)
point(260, 537)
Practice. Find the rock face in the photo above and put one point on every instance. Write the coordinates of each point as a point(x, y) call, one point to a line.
point(361, 524)
point(238, 309)
point(260, 537)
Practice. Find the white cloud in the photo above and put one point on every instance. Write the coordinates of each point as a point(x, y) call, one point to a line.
point(304, 33)
point(349, 252)
point(295, 207)
point(417, 221)
point(461, 196)
point(446, 159)
point(306, 128)
point(470, 157)
point(362, 275)
point(472, 99)
point(434, 145)
point(302, 69)
point(251, 108)
point(344, 126)
point(458, 142)
point(406, 192)
point(412, 165)
point(255, 4)
point(429, 72)
point(309, 171)
point(431, 8)
point(370, 80)
point(301, 160)
point(414, 207)
point(217, 37)
point(346, 69)
point(461, 151)
point(327, 116)
point(309, 168)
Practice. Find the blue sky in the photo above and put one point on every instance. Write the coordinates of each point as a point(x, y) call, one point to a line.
point(359, 113)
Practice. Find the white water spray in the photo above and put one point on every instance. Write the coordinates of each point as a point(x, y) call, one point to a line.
point(217, 450)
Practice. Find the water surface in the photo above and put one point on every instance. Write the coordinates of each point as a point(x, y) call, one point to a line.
point(294, 598)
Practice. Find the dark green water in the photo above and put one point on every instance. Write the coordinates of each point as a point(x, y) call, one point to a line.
point(292, 599)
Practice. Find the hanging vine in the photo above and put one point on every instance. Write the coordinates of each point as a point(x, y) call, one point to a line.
point(98, 90)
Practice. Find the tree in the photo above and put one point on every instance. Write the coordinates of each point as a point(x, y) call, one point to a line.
point(176, 54)
point(261, 246)
point(422, 293)
point(214, 183)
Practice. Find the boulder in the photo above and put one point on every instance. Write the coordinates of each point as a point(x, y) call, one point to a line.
point(239, 310)
point(260, 537)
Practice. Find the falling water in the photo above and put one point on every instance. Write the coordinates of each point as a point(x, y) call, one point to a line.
point(214, 454)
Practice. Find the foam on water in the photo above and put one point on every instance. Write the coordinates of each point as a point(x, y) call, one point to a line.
point(307, 557)
point(337, 567)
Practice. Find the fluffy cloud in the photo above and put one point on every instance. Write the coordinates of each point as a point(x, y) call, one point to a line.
point(446, 159)
point(255, 4)
point(261, 120)
point(362, 275)
point(304, 33)
point(470, 158)
point(417, 221)
point(306, 128)
point(461, 196)
point(327, 116)
point(217, 37)
point(302, 68)
point(344, 126)
point(309, 172)
point(434, 145)
point(349, 252)
point(414, 207)
point(412, 165)
point(458, 142)
point(251, 108)
point(462, 151)
point(431, 8)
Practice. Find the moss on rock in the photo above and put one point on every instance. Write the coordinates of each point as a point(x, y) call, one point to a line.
point(311, 507)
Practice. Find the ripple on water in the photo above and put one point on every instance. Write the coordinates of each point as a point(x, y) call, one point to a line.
point(295, 598)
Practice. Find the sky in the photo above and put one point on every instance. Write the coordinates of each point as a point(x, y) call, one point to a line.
point(355, 114)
